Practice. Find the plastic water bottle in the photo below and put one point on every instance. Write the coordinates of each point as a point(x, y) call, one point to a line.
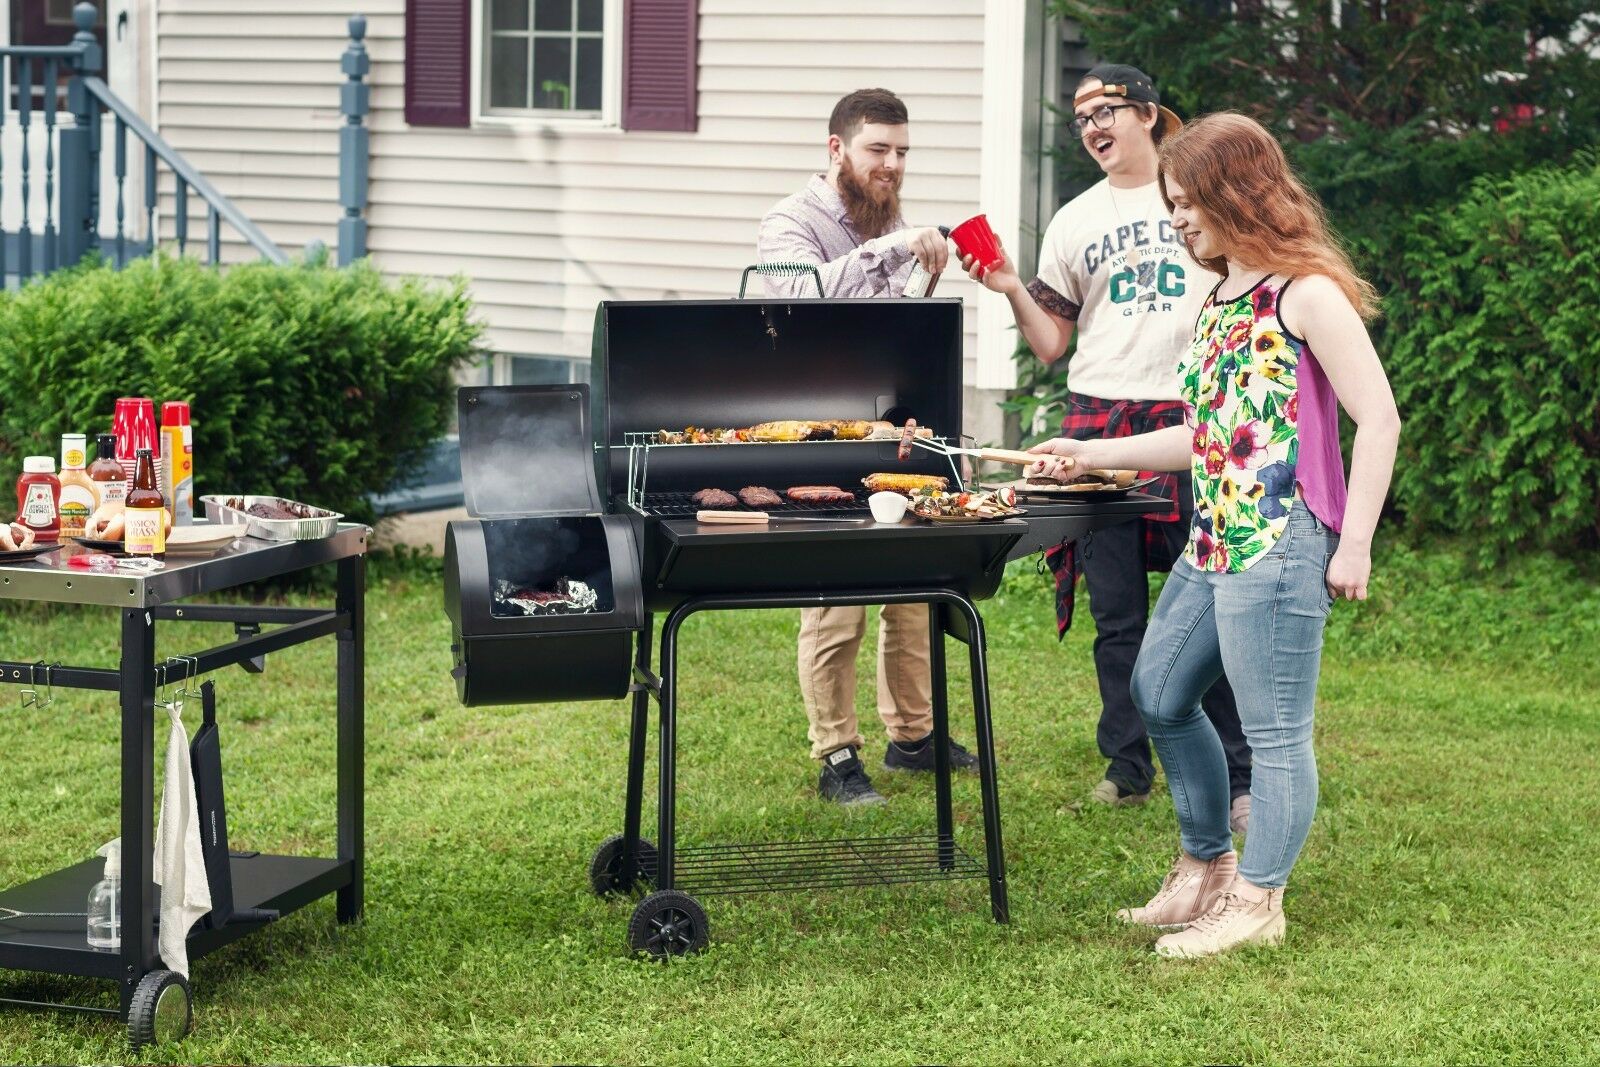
point(105, 902)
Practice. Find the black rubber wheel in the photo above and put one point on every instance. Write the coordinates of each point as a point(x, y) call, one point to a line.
point(161, 1012)
point(605, 869)
point(668, 923)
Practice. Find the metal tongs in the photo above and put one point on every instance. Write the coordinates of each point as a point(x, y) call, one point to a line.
point(995, 455)
point(761, 518)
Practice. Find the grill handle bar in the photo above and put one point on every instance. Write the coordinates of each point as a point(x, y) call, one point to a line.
point(781, 270)
point(995, 455)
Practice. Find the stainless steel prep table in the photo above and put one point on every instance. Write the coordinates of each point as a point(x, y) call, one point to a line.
point(276, 883)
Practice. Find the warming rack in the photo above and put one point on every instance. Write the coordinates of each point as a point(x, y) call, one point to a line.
point(640, 444)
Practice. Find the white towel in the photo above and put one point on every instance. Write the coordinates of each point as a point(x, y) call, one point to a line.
point(179, 868)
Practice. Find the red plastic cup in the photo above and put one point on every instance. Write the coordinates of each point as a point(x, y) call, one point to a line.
point(975, 238)
point(134, 424)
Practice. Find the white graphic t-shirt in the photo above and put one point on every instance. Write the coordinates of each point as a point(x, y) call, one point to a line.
point(1112, 262)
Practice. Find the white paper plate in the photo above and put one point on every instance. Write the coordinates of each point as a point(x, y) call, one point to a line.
point(204, 539)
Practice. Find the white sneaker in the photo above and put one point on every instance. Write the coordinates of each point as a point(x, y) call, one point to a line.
point(1239, 814)
point(1190, 889)
point(1244, 915)
point(1109, 794)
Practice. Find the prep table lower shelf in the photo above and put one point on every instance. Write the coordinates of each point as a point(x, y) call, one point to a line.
point(60, 946)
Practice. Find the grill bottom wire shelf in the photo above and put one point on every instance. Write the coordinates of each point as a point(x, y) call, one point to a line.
point(792, 865)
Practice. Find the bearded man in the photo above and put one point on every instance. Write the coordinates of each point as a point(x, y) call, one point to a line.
point(847, 223)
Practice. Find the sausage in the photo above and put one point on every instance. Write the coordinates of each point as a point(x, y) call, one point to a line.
point(905, 440)
point(819, 494)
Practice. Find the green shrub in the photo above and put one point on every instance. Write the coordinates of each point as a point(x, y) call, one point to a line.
point(1495, 361)
point(312, 383)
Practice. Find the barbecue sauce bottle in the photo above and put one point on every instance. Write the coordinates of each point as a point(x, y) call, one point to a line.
point(111, 481)
point(145, 513)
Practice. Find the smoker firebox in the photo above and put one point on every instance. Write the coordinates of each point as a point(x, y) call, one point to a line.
point(542, 591)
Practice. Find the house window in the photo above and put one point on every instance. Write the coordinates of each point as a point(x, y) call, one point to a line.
point(548, 57)
point(540, 370)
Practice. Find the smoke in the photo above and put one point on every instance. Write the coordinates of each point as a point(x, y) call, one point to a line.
point(526, 453)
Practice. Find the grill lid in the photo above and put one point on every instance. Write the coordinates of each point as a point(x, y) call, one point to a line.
point(527, 450)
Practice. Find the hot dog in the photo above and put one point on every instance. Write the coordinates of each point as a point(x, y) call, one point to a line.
point(906, 435)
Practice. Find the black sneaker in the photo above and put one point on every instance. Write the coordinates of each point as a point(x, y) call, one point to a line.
point(918, 756)
point(844, 780)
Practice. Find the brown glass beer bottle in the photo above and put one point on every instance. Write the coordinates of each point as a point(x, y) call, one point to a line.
point(145, 512)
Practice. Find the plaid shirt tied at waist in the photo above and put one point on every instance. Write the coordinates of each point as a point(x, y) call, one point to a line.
point(1090, 417)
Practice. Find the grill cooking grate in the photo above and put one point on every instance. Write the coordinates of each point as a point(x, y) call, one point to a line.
point(790, 865)
point(682, 506)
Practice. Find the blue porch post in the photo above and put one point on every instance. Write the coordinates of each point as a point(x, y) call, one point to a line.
point(353, 103)
point(80, 144)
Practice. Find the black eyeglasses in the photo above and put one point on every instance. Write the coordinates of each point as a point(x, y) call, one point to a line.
point(1102, 117)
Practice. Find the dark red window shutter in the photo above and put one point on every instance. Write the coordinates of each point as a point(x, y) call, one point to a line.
point(438, 62)
point(660, 49)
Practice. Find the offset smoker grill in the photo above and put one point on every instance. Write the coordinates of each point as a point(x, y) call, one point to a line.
point(533, 459)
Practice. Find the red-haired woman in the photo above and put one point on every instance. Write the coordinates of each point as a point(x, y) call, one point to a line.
point(1276, 536)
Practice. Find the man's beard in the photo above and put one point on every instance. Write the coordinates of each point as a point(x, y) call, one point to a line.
point(873, 209)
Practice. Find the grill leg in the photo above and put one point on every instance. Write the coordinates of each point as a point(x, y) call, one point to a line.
point(941, 738)
point(351, 659)
point(666, 814)
point(632, 812)
point(998, 902)
point(138, 692)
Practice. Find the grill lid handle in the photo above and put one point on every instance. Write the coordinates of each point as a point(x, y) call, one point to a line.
point(781, 270)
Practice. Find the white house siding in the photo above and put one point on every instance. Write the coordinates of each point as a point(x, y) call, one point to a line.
point(546, 220)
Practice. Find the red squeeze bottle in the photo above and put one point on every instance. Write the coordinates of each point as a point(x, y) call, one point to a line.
point(39, 498)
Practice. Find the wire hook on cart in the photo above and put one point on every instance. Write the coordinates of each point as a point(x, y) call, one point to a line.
point(31, 697)
point(161, 698)
point(192, 671)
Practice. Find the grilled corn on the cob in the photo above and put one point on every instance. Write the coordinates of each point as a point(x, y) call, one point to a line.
point(903, 483)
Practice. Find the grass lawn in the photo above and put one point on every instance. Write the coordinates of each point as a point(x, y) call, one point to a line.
point(1444, 909)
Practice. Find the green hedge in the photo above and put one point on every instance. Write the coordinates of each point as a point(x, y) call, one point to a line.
point(313, 383)
point(1494, 352)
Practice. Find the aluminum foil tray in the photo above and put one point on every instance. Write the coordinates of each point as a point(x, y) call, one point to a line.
point(322, 523)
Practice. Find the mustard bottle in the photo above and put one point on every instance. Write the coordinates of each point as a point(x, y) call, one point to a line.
point(80, 496)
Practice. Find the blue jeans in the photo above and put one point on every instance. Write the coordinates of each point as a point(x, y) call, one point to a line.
point(1262, 627)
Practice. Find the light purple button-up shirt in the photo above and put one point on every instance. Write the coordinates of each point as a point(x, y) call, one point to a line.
point(812, 226)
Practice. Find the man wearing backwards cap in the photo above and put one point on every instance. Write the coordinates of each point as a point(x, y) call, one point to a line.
point(1113, 271)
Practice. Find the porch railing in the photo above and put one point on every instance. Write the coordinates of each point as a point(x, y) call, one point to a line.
point(70, 227)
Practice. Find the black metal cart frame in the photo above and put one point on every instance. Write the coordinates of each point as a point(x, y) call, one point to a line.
point(275, 883)
point(819, 864)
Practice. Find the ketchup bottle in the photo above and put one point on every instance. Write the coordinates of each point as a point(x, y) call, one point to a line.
point(39, 498)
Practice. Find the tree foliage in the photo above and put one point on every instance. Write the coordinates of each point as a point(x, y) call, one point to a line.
point(1386, 107)
point(1494, 359)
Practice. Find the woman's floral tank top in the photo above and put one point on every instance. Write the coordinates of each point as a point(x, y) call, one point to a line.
point(1248, 384)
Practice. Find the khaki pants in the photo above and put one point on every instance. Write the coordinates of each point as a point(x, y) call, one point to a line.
point(829, 641)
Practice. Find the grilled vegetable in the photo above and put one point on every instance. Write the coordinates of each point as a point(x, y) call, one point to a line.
point(903, 483)
point(850, 429)
point(786, 430)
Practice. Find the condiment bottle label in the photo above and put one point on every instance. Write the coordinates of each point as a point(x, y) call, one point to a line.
point(72, 457)
point(145, 531)
point(77, 503)
point(113, 491)
point(39, 507)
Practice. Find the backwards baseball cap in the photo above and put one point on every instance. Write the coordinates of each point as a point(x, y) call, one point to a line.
point(1130, 83)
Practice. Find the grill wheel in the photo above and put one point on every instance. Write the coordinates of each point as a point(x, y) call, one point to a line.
point(605, 869)
point(668, 923)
